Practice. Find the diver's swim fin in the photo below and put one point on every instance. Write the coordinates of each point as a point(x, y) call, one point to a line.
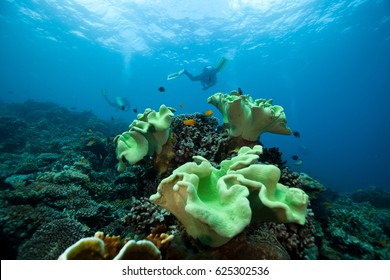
point(175, 75)
point(221, 63)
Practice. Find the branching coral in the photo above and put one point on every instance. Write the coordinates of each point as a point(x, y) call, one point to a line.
point(145, 215)
point(291, 179)
point(201, 139)
point(51, 239)
point(272, 156)
point(354, 232)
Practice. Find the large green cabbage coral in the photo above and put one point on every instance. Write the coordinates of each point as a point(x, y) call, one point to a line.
point(214, 204)
point(146, 136)
point(248, 118)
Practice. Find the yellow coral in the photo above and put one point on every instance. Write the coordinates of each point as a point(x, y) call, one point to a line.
point(107, 247)
point(161, 240)
point(112, 244)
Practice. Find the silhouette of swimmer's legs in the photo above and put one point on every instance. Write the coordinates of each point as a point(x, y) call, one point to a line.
point(221, 63)
point(191, 77)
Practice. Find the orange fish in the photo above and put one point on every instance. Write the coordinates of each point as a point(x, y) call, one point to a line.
point(383, 243)
point(181, 105)
point(189, 122)
point(327, 203)
point(208, 113)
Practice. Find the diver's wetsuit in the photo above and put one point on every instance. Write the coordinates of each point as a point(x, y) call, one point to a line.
point(207, 78)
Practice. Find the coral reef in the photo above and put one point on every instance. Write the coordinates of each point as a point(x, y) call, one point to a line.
point(146, 136)
point(353, 231)
point(212, 203)
point(298, 240)
point(59, 184)
point(161, 240)
point(139, 250)
point(203, 139)
point(11, 140)
point(272, 156)
point(248, 118)
point(291, 179)
point(310, 185)
point(51, 239)
point(103, 247)
point(377, 197)
point(241, 247)
point(145, 215)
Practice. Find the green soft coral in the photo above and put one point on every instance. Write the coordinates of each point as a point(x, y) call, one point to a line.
point(214, 205)
point(248, 118)
point(146, 136)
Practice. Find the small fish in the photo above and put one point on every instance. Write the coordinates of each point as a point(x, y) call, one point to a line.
point(123, 107)
point(161, 89)
point(208, 113)
point(148, 157)
point(73, 108)
point(90, 143)
point(181, 105)
point(327, 204)
point(189, 122)
point(294, 157)
point(82, 138)
point(239, 90)
point(298, 162)
point(135, 110)
point(112, 118)
point(296, 134)
point(383, 243)
point(10, 92)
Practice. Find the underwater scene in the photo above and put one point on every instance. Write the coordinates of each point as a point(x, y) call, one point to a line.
point(194, 130)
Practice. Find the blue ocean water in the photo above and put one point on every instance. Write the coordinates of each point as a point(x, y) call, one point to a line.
point(326, 62)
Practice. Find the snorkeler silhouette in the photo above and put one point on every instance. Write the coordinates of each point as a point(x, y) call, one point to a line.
point(120, 102)
point(207, 78)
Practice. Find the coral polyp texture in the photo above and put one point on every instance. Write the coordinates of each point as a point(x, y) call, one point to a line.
point(248, 118)
point(146, 136)
point(214, 205)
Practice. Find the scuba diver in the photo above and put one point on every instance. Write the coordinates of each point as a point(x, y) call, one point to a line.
point(120, 102)
point(207, 78)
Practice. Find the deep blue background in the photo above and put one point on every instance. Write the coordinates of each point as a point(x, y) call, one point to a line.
point(334, 83)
